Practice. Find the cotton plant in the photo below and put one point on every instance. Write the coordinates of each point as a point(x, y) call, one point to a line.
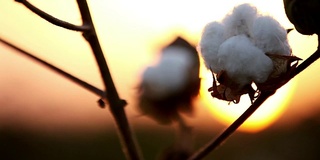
point(304, 15)
point(168, 88)
point(245, 47)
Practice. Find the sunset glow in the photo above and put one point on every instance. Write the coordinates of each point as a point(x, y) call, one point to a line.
point(131, 34)
point(226, 112)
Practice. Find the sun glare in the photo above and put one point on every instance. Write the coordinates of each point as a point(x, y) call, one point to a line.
point(227, 113)
point(132, 29)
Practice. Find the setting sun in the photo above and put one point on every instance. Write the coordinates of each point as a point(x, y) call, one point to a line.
point(131, 33)
point(226, 112)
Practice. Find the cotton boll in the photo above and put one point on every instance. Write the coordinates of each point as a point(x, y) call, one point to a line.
point(240, 20)
point(168, 88)
point(304, 15)
point(246, 47)
point(170, 75)
point(243, 62)
point(270, 36)
point(212, 38)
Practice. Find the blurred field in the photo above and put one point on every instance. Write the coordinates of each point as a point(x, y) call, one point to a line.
point(300, 142)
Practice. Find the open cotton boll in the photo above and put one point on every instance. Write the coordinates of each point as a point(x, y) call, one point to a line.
point(243, 62)
point(246, 47)
point(169, 88)
point(270, 36)
point(212, 38)
point(170, 75)
point(240, 20)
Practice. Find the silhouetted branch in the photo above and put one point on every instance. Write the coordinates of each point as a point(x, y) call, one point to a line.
point(213, 144)
point(116, 104)
point(78, 81)
point(52, 19)
point(309, 61)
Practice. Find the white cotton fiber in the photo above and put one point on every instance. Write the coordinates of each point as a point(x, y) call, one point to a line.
point(212, 38)
point(169, 76)
point(239, 43)
point(270, 36)
point(240, 20)
point(244, 62)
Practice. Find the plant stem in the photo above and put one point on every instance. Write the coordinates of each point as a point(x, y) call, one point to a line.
point(116, 104)
point(305, 64)
point(76, 80)
point(213, 144)
point(52, 19)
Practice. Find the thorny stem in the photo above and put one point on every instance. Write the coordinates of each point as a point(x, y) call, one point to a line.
point(52, 19)
point(116, 104)
point(213, 144)
point(78, 81)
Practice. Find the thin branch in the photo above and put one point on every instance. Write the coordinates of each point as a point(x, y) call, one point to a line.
point(52, 19)
point(78, 81)
point(116, 104)
point(213, 144)
point(315, 56)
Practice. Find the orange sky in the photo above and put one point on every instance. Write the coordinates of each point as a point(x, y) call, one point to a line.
point(130, 34)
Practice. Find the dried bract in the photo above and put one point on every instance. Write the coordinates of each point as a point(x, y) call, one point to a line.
point(283, 68)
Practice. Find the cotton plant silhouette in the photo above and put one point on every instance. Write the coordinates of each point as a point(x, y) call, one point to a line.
point(167, 89)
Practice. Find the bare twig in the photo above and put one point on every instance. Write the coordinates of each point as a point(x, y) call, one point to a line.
point(202, 152)
point(116, 104)
point(315, 56)
point(52, 19)
point(78, 81)
point(213, 144)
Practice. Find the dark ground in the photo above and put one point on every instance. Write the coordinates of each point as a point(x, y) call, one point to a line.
point(300, 142)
